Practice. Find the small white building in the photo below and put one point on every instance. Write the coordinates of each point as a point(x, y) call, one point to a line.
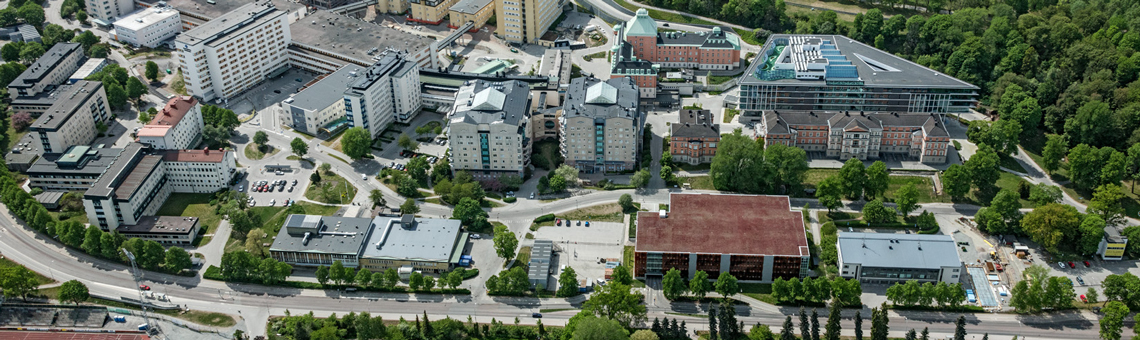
point(177, 126)
point(898, 258)
point(90, 67)
point(148, 27)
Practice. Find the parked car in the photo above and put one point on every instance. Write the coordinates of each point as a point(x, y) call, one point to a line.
point(1087, 264)
point(1084, 299)
point(587, 223)
point(1061, 264)
point(476, 236)
point(558, 222)
point(144, 287)
point(532, 195)
point(1080, 281)
point(1072, 265)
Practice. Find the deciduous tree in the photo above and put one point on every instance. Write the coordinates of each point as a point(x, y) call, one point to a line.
point(699, 285)
point(73, 291)
point(878, 179)
point(151, 70)
point(853, 177)
point(956, 181)
point(356, 142)
point(567, 283)
point(672, 285)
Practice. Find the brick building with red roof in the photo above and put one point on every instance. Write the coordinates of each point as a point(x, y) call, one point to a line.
point(753, 237)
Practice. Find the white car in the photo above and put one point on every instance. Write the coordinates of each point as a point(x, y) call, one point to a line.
point(1062, 264)
point(476, 236)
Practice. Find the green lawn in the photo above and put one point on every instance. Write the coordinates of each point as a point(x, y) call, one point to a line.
point(546, 155)
point(14, 136)
point(6, 263)
point(592, 56)
point(339, 191)
point(273, 217)
point(698, 182)
point(522, 259)
point(759, 291)
point(729, 114)
point(610, 212)
point(666, 16)
point(197, 205)
point(253, 152)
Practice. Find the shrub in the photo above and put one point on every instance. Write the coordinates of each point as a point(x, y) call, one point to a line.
point(544, 218)
point(510, 199)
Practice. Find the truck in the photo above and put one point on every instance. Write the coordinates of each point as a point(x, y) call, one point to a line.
point(143, 327)
point(970, 296)
point(465, 261)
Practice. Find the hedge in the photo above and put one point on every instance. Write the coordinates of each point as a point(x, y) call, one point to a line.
point(510, 199)
point(544, 218)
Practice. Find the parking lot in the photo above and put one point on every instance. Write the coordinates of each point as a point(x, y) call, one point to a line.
point(581, 247)
point(277, 195)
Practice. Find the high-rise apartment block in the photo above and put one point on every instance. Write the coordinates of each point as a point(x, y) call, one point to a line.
point(234, 51)
point(601, 125)
point(74, 118)
point(835, 73)
point(488, 129)
point(104, 12)
point(524, 21)
point(386, 92)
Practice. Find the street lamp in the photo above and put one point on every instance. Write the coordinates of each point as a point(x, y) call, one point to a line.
point(50, 271)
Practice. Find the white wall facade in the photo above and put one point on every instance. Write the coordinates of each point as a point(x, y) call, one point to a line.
point(235, 62)
point(200, 177)
point(149, 27)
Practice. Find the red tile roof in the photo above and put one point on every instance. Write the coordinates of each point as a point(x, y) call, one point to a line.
point(27, 335)
point(175, 109)
point(724, 224)
point(201, 156)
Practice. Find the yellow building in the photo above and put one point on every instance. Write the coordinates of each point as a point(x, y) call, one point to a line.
point(524, 21)
point(477, 11)
point(1112, 245)
point(392, 6)
point(429, 11)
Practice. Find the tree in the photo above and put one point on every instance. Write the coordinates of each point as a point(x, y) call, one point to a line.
point(672, 285)
point(213, 136)
point(428, 284)
point(299, 147)
point(32, 13)
point(1042, 194)
point(879, 323)
point(1054, 152)
point(315, 177)
point(878, 179)
point(409, 207)
point(18, 281)
point(135, 88)
point(786, 330)
point(407, 143)
point(567, 283)
point(455, 278)
point(151, 70)
point(416, 281)
point(1122, 287)
point(92, 240)
point(640, 179)
point(31, 51)
point(805, 326)
point(853, 177)
point(177, 259)
point(595, 328)
point(509, 182)
point(726, 285)
point(377, 198)
point(1091, 231)
point(391, 278)
point(956, 181)
point(260, 138)
point(1091, 295)
point(831, 331)
point(643, 334)
point(699, 284)
point(505, 242)
point(217, 116)
point(255, 238)
point(336, 273)
point(907, 198)
point(626, 202)
point(1007, 203)
point(984, 172)
point(858, 325)
point(874, 212)
point(356, 142)
point(622, 275)
point(469, 213)
point(615, 301)
point(116, 95)
point(73, 291)
point(322, 275)
point(1106, 203)
point(569, 173)
point(830, 192)
point(1049, 224)
point(960, 328)
point(557, 183)
point(1113, 321)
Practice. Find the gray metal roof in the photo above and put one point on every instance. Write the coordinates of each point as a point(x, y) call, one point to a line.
point(484, 102)
point(233, 22)
point(875, 67)
point(426, 239)
point(328, 235)
point(352, 38)
point(695, 123)
point(577, 101)
point(46, 63)
point(898, 250)
point(67, 101)
point(469, 6)
point(540, 256)
point(199, 10)
point(328, 90)
point(116, 172)
point(390, 63)
point(96, 162)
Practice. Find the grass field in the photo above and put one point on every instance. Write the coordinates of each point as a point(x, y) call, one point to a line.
point(698, 182)
point(273, 217)
point(666, 16)
point(14, 136)
point(197, 205)
point(6, 263)
point(253, 152)
point(546, 155)
point(522, 259)
point(339, 191)
point(610, 212)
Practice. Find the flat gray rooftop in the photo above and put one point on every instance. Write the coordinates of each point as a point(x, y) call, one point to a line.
point(327, 90)
point(469, 6)
point(427, 239)
point(901, 72)
point(100, 162)
point(206, 11)
point(68, 99)
point(331, 235)
point(116, 172)
point(352, 38)
point(241, 18)
point(45, 64)
point(899, 250)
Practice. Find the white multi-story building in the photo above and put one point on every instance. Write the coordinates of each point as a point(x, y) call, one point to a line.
point(139, 181)
point(74, 118)
point(387, 92)
point(524, 21)
point(898, 258)
point(51, 69)
point(177, 126)
point(601, 125)
point(319, 109)
point(488, 129)
point(234, 51)
point(104, 12)
point(148, 27)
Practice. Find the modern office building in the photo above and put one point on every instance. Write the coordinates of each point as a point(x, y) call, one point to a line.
point(429, 12)
point(386, 92)
point(319, 108)
point(139, 181)
point(325, 41)
point(476, 11)
point(148, 27)
point(541, 263)
point(21, 33)
point(173, 230)
point(624, 64)
point(74, 118)
point(524, 21)
point(693, 140)
point(429, 245)
point(488, 129)
point(177, 126)
point(377, 244)
point(601, 125)
point(91, 66)
point(896, 258)
point(76, 169)
point(753, 237)
point(50, 70)
point(715, 50)
point(835, 73)
point(234, 52)
point(104, 12)
point(1112, 246)
point(845, 135)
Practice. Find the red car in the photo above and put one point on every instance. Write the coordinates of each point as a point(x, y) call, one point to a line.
point(558, 222)
point(1072, 265)
point(1084, 299)
point(1087, 264)
point(144, 287)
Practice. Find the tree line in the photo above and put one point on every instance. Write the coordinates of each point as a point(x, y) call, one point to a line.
point(364, 326)
point(816, 291)
point(926, 295)
point(1039, 291)
point(743, 164)
point(673, 285)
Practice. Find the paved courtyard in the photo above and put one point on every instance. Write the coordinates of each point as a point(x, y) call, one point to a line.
point(581, 247)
